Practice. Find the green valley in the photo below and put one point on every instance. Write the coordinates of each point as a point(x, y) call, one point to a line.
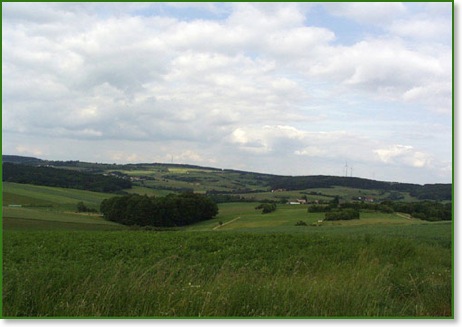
point(290, 262)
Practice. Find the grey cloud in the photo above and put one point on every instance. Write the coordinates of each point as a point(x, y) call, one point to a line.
point(109, 74)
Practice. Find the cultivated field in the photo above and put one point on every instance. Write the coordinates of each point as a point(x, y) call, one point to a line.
point(224, 274)
point(58, 263)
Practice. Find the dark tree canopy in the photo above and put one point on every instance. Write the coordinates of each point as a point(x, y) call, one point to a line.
point(439, 192)
point(48, 176)
point(170, 211)
point(344, 214)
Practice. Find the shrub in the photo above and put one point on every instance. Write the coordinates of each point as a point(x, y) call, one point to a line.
point(345, 214)
point(267, 207)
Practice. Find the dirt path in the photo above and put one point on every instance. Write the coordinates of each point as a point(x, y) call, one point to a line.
point(229, 222)
point(403, 216)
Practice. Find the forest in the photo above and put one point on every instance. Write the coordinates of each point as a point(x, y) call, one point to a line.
point(48, 176)
point(437, 192)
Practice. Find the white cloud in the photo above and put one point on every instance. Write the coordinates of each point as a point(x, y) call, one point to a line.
point(404, 154)
point(383, 68)
point(423, 28)
point(27, 150)
point(246, 76)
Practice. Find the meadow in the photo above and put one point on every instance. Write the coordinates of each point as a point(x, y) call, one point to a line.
point(58, 263)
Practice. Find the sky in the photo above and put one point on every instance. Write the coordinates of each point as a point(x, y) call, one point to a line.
point(342, 89)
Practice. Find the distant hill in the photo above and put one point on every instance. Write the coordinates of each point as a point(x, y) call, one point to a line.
point(236, 181)
point(22, 160)
point(49, 176)
point(422, 192)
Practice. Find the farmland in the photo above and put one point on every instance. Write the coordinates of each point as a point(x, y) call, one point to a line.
point(389, 272)
point(242, 263)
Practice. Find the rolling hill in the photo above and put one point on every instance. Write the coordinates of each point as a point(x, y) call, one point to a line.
point(213, 181)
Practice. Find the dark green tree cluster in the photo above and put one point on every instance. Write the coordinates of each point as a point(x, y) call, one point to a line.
point(426, 210)
point(170, 211)
point(385, 206)
point(266, 207)
point(344, 214)
point(48, 176)
point(226, 198)
point(439, 192)
point(334, 204)
point(319, 208)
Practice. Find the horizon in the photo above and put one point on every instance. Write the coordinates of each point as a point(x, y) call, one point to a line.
point(290, 89)
point(215, 168)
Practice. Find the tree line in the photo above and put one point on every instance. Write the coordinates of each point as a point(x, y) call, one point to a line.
point(425, 210)
point(438, 192)
point(49, 176)
point(173, 210)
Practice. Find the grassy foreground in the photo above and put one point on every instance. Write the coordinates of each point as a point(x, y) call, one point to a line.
point(229, 274)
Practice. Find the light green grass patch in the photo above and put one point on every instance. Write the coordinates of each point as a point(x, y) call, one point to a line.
point(55, 195)
point(52, 215)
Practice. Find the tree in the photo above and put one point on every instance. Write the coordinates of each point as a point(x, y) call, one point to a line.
point(172, 210)
point(335, 201)
point(267, 207)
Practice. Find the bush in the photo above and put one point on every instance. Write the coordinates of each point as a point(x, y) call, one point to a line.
point(345, 214)
point(267, 207)
point(300, 223)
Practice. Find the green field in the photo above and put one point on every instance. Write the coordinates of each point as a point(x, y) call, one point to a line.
point(59, 263)
point(228, 274)
point(45, 196)
point(31, 207)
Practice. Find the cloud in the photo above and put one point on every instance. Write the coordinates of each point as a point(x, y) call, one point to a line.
point(404, 154)
point(215, 81)
point(423, 28)
point(383, 68)
point(27, 150)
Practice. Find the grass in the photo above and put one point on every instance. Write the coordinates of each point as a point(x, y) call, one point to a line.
point(31, 218)
point(39, 196)
point(50, 208)
point(147, 191)
point(24, 224)
point(205, 274)
point(285, 218)
point(57, 263)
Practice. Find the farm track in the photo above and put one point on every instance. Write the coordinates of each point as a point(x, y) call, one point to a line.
point(403, 216)
point(227, 223)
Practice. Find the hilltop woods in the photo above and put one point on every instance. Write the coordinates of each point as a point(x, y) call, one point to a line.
point(170, 211)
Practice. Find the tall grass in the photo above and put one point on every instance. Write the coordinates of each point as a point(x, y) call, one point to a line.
point(185, 274)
